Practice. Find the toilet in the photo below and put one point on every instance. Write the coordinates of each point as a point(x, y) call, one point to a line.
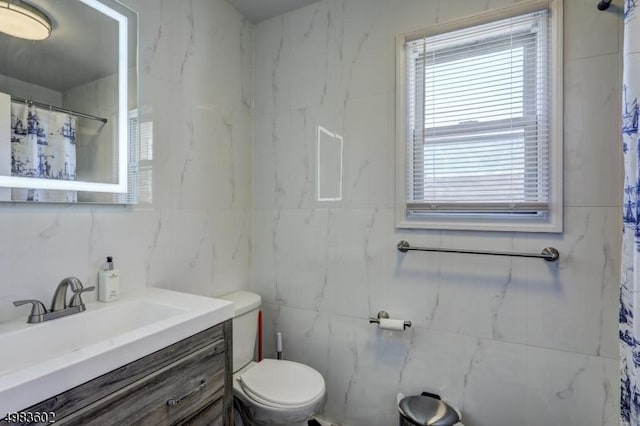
point(269, 392)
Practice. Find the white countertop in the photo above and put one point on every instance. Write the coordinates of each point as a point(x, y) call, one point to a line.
point(39, 361)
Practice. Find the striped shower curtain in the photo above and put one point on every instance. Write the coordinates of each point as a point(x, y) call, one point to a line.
point(630, 273)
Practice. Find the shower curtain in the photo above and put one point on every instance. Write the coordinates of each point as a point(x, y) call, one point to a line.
point(42, 145)
point(630, 273)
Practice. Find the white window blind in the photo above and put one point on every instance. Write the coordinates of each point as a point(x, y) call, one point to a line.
point(478, 119)
point(133, 160)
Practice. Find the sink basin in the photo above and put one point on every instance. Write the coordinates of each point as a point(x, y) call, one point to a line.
point(43, 360)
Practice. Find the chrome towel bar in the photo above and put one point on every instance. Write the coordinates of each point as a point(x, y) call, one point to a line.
point(549, 254)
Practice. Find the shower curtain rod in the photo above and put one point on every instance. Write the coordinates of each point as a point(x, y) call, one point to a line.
point(55, 108)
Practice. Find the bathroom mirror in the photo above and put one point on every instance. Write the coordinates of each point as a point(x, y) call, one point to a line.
point(68, 120)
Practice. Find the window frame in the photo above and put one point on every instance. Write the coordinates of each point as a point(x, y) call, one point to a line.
point(550, 222)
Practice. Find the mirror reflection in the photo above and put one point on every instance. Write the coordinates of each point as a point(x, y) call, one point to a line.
point(68, 99)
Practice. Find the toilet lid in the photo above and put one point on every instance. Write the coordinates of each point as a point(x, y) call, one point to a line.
point(282, 382)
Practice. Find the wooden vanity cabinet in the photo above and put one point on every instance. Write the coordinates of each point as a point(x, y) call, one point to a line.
point(187, 383)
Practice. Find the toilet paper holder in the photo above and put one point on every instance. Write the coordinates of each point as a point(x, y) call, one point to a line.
point(385, 315)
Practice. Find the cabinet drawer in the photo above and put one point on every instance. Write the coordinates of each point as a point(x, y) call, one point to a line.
point(165, 397)
point(82, 396)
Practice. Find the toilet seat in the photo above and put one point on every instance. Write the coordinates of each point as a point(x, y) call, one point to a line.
point(282, 384)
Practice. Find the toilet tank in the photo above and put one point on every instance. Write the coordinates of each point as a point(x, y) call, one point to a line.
point(245, 326)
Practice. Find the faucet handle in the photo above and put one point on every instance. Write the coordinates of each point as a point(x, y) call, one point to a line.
point(76, 299)
point(82, 289)
point(37, 310)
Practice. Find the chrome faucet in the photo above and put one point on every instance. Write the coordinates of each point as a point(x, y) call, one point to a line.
point(59, 307)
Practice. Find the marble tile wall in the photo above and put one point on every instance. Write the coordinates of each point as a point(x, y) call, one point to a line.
point(509, 341)
point(196, 83)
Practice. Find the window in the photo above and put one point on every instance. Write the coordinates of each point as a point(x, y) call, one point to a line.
point(140, 162)
point(479, 147)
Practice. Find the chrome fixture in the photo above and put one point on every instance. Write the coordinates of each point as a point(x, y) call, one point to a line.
point(59, 307)
point(549, 254)
point(55, 108)
point(385, 315)
point(22, 20)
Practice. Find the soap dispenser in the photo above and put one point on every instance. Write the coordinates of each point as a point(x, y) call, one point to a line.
point(108, 282)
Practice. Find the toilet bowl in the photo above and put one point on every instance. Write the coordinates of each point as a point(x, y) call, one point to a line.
point(277, 392)
point(270, 392)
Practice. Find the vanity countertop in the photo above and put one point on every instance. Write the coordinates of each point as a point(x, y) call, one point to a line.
point(45, 359)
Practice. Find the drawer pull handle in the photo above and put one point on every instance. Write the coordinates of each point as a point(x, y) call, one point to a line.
point(172, 402)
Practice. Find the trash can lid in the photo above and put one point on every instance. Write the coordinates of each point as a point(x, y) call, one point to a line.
point(427, 411)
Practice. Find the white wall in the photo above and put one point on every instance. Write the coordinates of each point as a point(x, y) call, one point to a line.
point(22, 89)
point(195, 79)
point(509, 341)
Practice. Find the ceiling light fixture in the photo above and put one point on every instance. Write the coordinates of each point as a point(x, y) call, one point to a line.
point(20, 19)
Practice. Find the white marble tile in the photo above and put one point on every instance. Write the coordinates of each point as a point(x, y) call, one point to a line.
point(365, 371)
point(215, 148)
point(264, 251)
point(439, 363)
point(182, 43)
point(285, 157)
point(195, 145)
point(162, 38)
point(181, 253)
point(592, 147)
point(482, 296)
point(231, 251)
point(570, 389)
point(275, 161)
point(500, 368)
point(272, 61)
point(412, 292)
point(414, 15)
point(211, 67)
point(110, 235)
point(300, 257)
point(41, 245)
point(166, 108)
point(369, 152)
point(302, 188)
point(201, 251)
point(358, 261)
point(572, 303)
point(368, 49)
point(315, 50)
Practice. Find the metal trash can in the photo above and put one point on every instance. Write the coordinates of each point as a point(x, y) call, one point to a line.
point(427, 410)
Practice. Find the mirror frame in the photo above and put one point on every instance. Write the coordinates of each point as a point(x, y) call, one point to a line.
point(123, 142)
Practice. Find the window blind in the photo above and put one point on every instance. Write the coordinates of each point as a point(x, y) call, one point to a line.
point(131, 196)
point(478, 119)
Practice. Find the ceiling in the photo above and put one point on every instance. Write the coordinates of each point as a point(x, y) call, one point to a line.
point(260, 10)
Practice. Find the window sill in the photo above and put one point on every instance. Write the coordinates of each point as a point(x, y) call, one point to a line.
point(480, 224)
